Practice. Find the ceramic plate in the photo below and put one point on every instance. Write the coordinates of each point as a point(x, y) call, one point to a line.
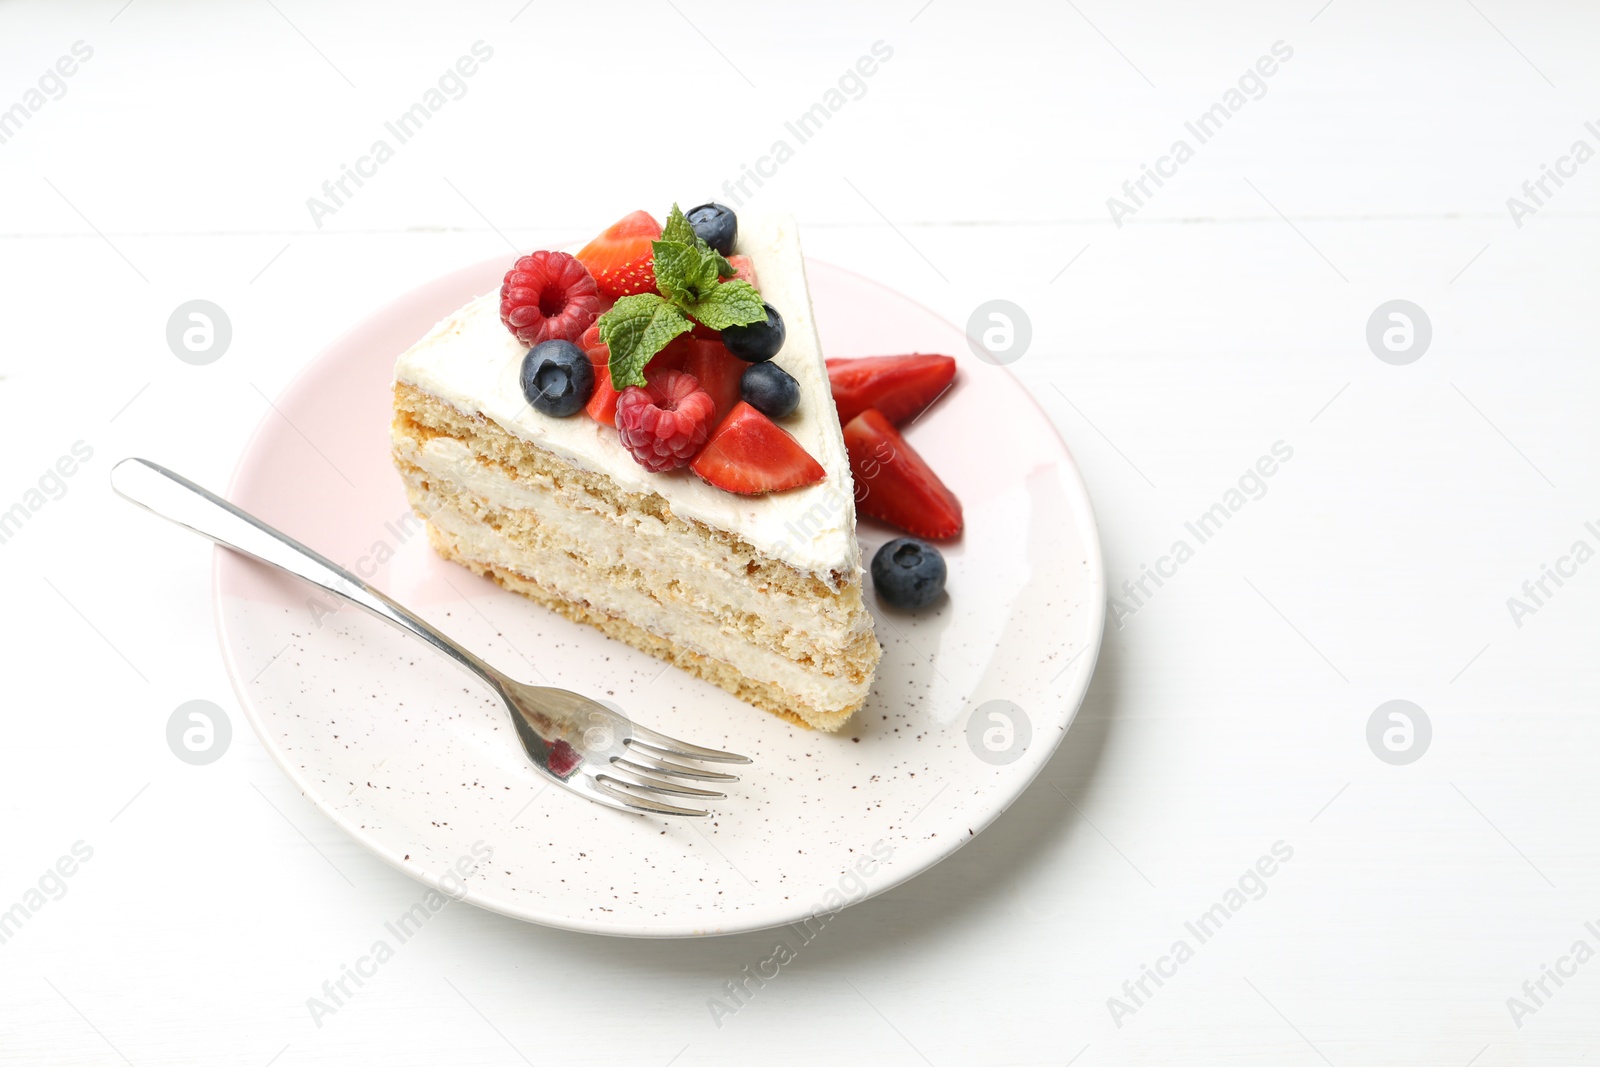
point(413, 759)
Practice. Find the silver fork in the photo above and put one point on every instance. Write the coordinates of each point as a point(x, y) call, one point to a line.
point(579, 743)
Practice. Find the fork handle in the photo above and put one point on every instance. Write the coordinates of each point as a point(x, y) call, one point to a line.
point(174, 497)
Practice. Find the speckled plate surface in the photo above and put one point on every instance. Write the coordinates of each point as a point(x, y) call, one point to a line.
point(412, 758)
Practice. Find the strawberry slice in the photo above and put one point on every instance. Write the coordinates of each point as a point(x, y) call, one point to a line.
point(717, 370)
point(675, 355)
point(895, 484)
point(602, 405)
point(745, 270)
point(749, 453)
point(898, 386)
point(598, 351)
point(620, 258)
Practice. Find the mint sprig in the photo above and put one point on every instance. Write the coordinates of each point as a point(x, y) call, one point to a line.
point(689, 278)
point(678, 230)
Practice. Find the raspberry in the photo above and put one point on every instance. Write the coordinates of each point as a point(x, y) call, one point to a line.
point(548, 296)
point(664, 424)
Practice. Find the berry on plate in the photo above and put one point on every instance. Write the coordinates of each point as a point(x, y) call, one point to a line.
point(548, 296)
point(716, 225)
point(908, 573)
point(769, 389)
point(898, 386)
point(621, 259)
point(758, 341)
point(664, 424)
point(895, 484)
point(557, 378)
point(750, 454)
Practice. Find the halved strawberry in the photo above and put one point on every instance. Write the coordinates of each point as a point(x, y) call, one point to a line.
point(749, 453)
point(717, 369)
point(895, 484)
point(620, 258)
point(898, 386)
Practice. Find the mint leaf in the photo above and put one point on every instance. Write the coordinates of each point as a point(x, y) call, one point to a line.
point(673, 263)
point(734, 303)
point(677, 230)
point(678, 270)
point(687, 269)
point(635, 329)
point(684, 273)
point(708, 274)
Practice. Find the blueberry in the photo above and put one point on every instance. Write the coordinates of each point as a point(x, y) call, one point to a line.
point(557, 378)
point(758, 341)
point(908, 573)
point(716, 225)
point(769, 389)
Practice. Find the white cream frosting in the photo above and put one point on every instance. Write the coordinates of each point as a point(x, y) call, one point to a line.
point(471, 361)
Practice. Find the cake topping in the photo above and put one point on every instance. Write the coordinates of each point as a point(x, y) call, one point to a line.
point(769, 389)
point(672, 357)
point(895, 484)
point(664, 423)
point(743, 270)
point(548, 296)
point(557, 378)
point(716, 370)
point(620, 258)
point(716, 225)
point(757, 341)
point(908, 573)
point(690, 288)
point(749, 453)
point(602, 405)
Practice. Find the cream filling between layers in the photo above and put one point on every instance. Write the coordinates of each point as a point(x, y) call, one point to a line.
point(705, 572)
point(681, 625)
point(471, 361)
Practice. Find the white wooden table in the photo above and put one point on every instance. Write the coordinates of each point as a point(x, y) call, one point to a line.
point(1225, 317)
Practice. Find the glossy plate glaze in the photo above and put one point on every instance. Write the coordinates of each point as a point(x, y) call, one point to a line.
point(414, 760)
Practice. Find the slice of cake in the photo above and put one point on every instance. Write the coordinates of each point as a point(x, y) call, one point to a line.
point(702, 510)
